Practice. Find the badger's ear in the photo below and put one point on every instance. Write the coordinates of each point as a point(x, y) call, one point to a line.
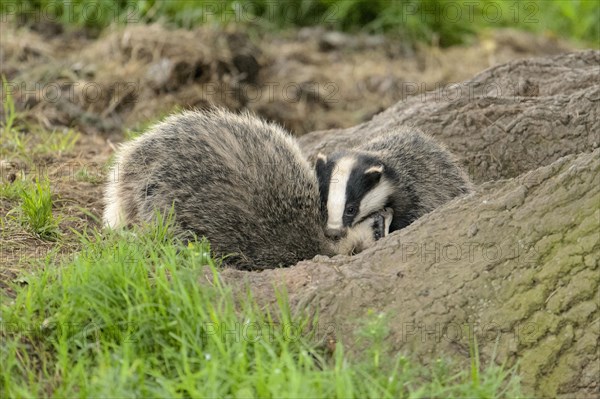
point(374, 169)
point(320, 163)
point(373, 174)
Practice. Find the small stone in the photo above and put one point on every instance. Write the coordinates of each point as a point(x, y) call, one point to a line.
point(473, 229)
point(334, 40)
point(159, 73)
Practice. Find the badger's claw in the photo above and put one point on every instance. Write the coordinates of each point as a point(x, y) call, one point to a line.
point(378, 226)
point(381, 222)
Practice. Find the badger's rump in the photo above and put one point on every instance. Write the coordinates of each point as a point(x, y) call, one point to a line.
point(234, 179)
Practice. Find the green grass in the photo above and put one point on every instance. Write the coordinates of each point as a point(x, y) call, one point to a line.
point(36, 210)
point(12, 140)
point(134, 315)
point(12, 190)
point(35, 142)
point(8, 107)
point(16, 135)
point(413, 20)
point(90, 176)
point(15, 143)
point(56, 143)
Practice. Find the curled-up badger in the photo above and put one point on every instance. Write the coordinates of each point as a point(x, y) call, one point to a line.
point(235, 179)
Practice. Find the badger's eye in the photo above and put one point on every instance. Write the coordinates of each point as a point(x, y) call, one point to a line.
point(377, 235)
point(350, 210)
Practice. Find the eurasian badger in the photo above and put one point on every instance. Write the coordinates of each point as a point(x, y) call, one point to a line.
point(235, 179)
point(404, 170)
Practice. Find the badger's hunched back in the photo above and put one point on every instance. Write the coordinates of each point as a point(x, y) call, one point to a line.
point(235, 179)
point(404, 170)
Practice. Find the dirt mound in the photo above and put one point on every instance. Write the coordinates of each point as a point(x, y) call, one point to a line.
point(136, 74)
point(503, 122)
point(514, 265)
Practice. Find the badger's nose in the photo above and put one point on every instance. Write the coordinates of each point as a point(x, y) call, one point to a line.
point(334, 234)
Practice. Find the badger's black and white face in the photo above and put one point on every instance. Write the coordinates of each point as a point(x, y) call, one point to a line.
point(352, 186)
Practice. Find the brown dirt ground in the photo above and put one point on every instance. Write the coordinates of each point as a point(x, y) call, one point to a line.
point(306, 80)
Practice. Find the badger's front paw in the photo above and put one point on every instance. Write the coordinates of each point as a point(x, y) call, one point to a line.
point(381, 222)
point(364, 234)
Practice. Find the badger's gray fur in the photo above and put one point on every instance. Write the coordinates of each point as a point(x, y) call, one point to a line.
point(404, 170)
point(235, 179)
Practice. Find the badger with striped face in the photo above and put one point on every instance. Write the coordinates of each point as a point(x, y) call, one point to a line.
point(404, 170)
